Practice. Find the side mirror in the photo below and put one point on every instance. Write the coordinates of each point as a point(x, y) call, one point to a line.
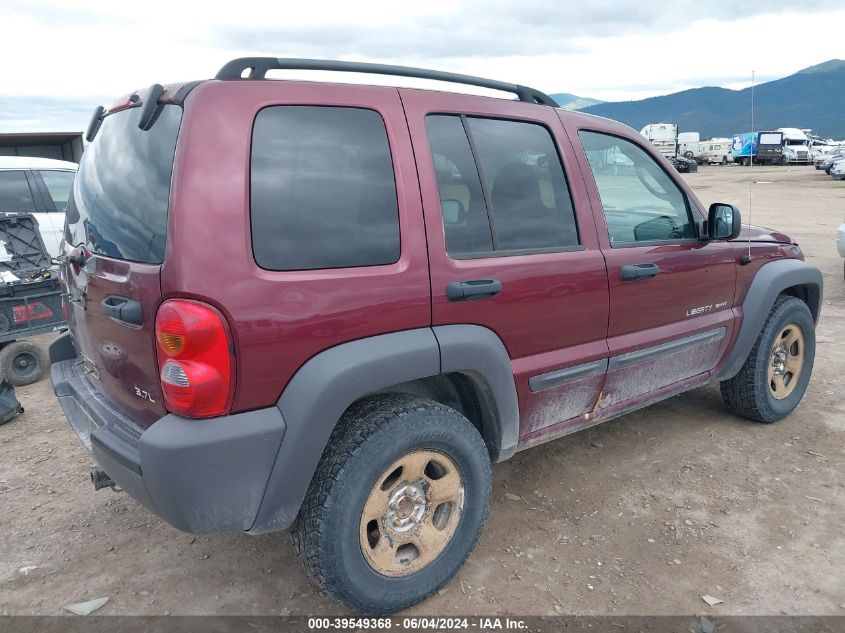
point(724, 222)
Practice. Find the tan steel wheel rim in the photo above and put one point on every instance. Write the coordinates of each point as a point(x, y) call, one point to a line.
point(411, 513)
point(786, 361)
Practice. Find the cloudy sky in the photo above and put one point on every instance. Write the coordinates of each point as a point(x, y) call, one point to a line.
point(73, 55)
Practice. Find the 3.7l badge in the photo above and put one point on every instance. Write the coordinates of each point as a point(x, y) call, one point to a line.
point(143, 394)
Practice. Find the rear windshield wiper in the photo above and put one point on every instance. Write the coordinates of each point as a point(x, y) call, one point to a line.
point(147, 100)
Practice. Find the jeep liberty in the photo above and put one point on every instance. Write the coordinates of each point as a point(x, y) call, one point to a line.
point(330, 308)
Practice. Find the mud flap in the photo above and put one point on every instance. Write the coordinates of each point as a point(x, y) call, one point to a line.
point(9, 405)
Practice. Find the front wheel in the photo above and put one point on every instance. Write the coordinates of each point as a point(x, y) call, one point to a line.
point(397, 503)
point(775, 375)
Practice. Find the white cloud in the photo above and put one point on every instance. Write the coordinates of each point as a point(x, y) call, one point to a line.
point(605, 49)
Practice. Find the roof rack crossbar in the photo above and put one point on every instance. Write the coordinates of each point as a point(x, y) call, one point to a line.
point(258, 67)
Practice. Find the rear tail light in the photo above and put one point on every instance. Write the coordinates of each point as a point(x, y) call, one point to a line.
point(195, 358)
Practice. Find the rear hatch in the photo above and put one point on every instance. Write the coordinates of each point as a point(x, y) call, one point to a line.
point(115, 235)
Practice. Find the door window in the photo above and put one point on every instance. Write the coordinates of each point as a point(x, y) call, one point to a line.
point(641, 202)
point(15, 195)
point(502, 186)
point(58, 184)
point(461, 198)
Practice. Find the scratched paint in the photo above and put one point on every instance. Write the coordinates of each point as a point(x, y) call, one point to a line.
point(651, 374)
point(562, 403)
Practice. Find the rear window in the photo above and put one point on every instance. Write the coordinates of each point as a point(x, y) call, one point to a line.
point(118, 205)
point(323, 193)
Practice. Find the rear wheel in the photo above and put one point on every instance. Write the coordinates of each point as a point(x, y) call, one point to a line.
point(775, 375)
point(23, 363)
point(396, 505)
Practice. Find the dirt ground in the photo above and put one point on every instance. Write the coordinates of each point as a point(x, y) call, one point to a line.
point(642, 515)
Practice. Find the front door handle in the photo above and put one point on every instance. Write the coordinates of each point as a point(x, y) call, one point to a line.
point(631, 272)
point(123, 309)
point(473, 289)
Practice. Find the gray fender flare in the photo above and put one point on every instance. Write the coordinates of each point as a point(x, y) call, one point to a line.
point(326, 385)
point(480, 354)
point(769, 282)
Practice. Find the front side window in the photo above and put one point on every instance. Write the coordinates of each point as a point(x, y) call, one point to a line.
point(641, 202)
point(323, 193)
point(502, 186)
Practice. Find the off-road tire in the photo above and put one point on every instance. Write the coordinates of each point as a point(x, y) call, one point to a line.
point(371, 436)
point(23, 363)
point(748, 392)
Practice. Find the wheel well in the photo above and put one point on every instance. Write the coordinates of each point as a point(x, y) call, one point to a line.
point(807, 293)
point(465, 392)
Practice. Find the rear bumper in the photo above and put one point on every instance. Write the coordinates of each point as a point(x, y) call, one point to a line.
point(201, 476)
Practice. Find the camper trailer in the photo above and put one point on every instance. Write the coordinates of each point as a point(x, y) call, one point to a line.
point(715, 151)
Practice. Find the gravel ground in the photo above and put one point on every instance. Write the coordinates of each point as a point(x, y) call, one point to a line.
point(641, 515)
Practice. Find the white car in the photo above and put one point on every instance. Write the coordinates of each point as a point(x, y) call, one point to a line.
point(40, 186)
point(840, 239)
point(838, 169)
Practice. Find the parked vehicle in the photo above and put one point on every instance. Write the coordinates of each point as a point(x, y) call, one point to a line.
point(313, 318)
point(837, 169)
point(30, 300)
point(827, 158)
point(715, 150)
point(795, 149)
point(819, 147)
point(664, 136)
point(683, 165)
point(827, 165)
point(689, 146)
point(39, 186)
point(764, 148)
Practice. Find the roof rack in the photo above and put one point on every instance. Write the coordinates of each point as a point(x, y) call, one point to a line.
point(258, 67)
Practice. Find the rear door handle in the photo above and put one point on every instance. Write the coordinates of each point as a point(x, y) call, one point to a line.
point(630, 272)
point(473, 289)
point(123, 309)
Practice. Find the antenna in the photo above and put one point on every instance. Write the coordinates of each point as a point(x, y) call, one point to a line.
point(746, 259)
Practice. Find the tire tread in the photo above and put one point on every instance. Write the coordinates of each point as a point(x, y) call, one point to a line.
point(744, 393)
point(346, 442)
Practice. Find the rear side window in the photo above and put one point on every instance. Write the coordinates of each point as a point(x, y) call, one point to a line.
point(120, 197)
point(502, 186)
point(323, 193)
point(15, 196)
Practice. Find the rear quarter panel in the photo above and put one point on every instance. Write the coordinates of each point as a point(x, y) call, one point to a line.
point(281, 319)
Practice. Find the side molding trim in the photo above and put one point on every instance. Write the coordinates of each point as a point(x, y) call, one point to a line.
point(561, 376)
point(637, 356)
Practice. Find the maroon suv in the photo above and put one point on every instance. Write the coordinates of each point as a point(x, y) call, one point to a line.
point(331, 307)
